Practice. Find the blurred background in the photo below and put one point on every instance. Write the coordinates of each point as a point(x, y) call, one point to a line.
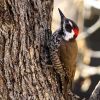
point(86, 13)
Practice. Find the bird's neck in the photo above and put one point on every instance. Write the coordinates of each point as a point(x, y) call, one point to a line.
point(71, 40)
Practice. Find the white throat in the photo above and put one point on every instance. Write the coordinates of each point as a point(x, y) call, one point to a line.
point(67, 35)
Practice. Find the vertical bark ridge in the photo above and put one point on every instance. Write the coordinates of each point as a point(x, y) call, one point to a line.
point(22, 30)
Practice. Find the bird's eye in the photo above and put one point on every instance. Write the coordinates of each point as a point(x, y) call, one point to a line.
point(68, 27)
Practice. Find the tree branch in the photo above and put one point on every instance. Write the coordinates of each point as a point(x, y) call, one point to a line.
point(96, 93)
point(89, 31)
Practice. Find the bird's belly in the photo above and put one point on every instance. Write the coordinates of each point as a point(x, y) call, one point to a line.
point(68, 53)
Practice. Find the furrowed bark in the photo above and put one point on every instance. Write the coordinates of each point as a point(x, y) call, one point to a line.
point(24, 74)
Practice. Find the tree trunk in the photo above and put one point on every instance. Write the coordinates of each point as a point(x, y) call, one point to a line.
point(24, 75)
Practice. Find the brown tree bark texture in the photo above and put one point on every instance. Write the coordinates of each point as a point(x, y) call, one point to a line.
point(23, 72)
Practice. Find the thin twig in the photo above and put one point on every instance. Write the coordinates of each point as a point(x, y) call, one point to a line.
point(90, 30)
point(96, 93)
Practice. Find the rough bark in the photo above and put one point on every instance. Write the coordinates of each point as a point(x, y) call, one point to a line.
point(24, 74)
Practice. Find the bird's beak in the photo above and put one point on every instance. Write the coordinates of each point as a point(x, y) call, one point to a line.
point(63, 18)
point(61, 14)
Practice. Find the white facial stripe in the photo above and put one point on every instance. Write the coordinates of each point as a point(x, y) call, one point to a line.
point(68, 35)
point(64, 25)
point(70, 23)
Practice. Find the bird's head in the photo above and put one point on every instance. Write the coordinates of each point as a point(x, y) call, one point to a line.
point(69, 29)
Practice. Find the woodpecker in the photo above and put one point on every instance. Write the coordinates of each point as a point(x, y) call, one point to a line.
point(63, 51)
